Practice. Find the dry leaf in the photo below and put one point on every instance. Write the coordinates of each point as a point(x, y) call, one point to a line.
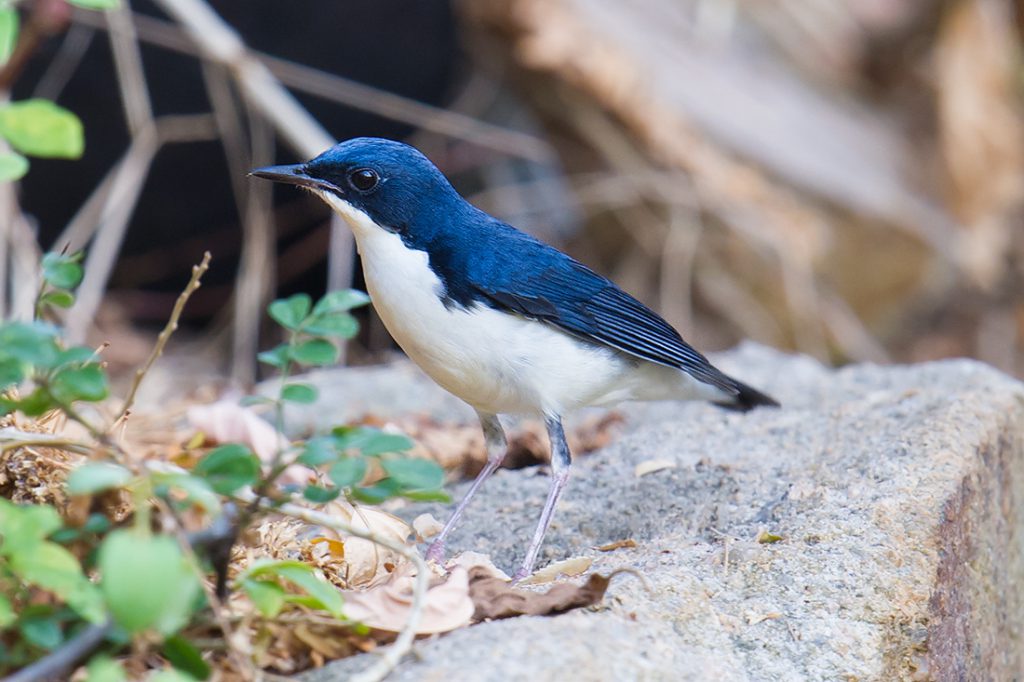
point(471, 560)
point(426, 527)
point(649, 466)
point(447, 605)
point(618, 544)
point(363, 563)
point(225, 421)
point(494, 598)
point(567, 567)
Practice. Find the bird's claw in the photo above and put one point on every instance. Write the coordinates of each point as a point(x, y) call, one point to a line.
point(435, 552)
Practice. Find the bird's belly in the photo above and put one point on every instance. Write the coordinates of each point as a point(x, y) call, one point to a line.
point(497, 362)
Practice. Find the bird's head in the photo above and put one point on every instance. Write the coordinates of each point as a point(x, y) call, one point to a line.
point(374, 184)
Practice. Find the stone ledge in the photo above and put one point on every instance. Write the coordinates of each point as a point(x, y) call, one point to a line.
point(896, 491)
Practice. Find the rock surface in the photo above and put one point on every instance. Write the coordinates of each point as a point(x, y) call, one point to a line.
point(896, 492)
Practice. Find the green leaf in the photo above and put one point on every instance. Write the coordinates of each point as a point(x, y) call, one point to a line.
point(58, 298)
point(348, 471)
point(302, 575)
point(370, 441)
point(316, 352)
point(381, 491)
point(290, 312)
point(319, 495)
point(146, 581)
point(277, 357)
point(340, 301)
point(229, 468)
point(427, 495)
point(22, 527)
point(11, 372)
point(76, 355)
point(341, 325)
point(197, 490)
point(12, 166)
point(7, 614)
point(185, 657)
point(35, 403)
point(96, 4)
point(38, 127)
point(88, 382)
point(93, 477)
point(326, 594)
point(43, 631)
point(266, 595)
point(414, 474)
point(33, 343)
point(102, 668)
point(317, 451)
point(299, 393)
point(54, 568)
point(8, 33)
point(61, 270)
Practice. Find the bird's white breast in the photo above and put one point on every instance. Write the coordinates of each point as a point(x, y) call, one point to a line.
point(496, 361)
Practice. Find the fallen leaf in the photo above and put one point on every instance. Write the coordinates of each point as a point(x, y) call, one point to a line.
point(618, 544)
point(426, 527)
point(567, 567)
point(363, 563)
point(651, 465)
point(447, 605)
point(471, 560)
point(225, 421)
point(494, 598)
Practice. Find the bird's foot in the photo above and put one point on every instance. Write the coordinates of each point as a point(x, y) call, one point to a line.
point(523, 573)
point(435, 552)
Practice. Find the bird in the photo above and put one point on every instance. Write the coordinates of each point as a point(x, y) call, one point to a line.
point(502, 320)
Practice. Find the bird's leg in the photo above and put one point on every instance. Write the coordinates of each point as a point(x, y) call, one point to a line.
point(497, 447)
point(560, 462)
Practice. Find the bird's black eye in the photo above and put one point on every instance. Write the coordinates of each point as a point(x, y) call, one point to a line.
point(364, 179)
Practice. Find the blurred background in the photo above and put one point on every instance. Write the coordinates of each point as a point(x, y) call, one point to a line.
point(838, 179)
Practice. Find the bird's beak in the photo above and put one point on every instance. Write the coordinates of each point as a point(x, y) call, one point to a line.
point(292, 175)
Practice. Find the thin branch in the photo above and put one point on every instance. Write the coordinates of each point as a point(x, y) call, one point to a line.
point(55, 664)
point(172, 325)
point(403, 643)
point(357, 95)
point(131, 77)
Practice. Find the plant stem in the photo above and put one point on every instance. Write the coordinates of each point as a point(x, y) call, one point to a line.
point(172, 325)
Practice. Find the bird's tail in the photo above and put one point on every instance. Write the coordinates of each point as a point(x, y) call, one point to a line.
point(747, 398)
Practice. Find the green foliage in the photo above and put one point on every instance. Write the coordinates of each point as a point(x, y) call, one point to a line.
point(144, 580)
point(229, 468)
point(260, 580)
point(12, 166)
point(38, 127)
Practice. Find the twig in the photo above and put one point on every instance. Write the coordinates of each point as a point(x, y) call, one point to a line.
point(57, 663)
point(403, 643)
point(128, 65)
point(188, 542)
point(357, 95)
point(172, 325)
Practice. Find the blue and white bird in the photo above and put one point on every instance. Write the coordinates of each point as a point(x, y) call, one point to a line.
point(503, 321)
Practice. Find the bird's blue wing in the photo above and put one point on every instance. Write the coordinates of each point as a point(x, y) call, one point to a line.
point(556, 289)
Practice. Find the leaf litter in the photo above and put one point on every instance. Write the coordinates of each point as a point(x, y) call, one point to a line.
point(375, 582)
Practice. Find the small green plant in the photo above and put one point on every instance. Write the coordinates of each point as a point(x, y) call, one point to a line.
point(36, 127)
point(140, 581)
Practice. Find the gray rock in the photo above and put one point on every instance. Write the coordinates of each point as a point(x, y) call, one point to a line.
point(896, 492)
